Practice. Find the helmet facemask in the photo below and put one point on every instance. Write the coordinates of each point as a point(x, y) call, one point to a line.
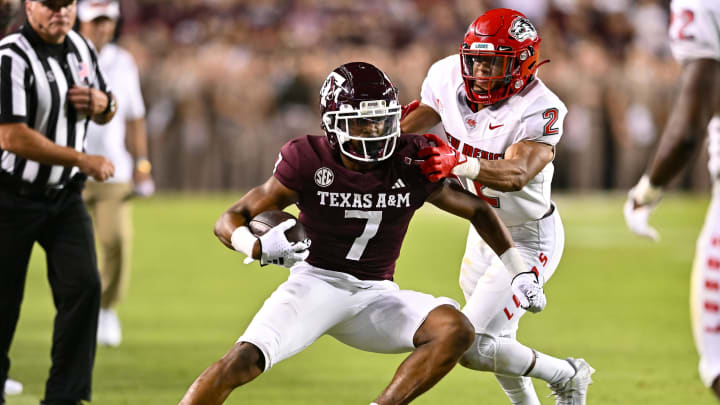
point(487, 73)
point(366, 134)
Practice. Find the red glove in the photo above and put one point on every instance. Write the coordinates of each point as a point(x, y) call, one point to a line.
point(439, 160)
point(407, 109)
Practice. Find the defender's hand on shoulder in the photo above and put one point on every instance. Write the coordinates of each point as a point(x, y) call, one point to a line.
point(442, 160)
point(408, 108)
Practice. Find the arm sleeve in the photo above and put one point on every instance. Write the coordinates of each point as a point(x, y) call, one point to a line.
point(13, 105)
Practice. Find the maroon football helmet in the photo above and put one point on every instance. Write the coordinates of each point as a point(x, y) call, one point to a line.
point(499, 55)
point(360, 112)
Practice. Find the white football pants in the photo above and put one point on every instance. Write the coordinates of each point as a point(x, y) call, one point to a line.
point(494, 312)
point(486, 284)
point(375, 316)
point(705, 292)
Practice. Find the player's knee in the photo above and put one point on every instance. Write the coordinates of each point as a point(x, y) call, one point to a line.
point(450, 327)
point(465, 332)
point(457, 330)
point(241, 364)
point(481, 354)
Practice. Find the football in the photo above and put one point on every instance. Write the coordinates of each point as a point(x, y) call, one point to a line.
point(262, 223)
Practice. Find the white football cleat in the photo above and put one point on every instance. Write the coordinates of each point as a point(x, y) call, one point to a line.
point(109, 332)
point(574, 390)
point(13, 387)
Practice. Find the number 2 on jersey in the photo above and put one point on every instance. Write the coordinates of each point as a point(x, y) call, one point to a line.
point(679, 21)
point(371, 228)
point(550, 114)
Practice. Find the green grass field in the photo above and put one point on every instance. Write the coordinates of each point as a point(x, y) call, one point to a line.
point(618, 301)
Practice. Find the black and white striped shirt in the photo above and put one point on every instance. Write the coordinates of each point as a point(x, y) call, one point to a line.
point(34, 81)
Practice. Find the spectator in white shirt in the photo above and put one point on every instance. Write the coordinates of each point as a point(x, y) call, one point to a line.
point(124, 142)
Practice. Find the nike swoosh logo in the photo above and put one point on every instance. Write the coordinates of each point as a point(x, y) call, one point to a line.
point(496, 126)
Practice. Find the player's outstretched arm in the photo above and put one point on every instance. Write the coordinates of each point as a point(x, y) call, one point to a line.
point(526, 285)
point(683, 135)
point(688, 121)
point(271, 195)
point(419, 119)
point(522, 162)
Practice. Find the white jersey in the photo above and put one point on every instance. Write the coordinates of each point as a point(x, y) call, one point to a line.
point(109, 140)
point(695, 34)
point(534, 114)
point(695, 29)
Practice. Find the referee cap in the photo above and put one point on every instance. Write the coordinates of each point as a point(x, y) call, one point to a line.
point(89, 10)
point(55, 4)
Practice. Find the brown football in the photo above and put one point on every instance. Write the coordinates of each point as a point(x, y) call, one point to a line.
point(262, 223)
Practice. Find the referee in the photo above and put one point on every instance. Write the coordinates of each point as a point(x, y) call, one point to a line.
point(50, 87)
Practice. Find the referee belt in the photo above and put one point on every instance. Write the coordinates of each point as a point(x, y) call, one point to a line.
point(22, 188)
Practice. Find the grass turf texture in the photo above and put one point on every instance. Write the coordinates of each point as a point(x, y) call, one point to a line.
point(616, 300)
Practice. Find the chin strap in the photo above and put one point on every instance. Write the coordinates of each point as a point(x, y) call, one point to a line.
point(541, 63)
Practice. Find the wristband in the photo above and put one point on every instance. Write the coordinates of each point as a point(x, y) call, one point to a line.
point(645, 193)
point(143, 165)
point(243, 240)
point(513, 262)
point(469, 169)
point(110, 103)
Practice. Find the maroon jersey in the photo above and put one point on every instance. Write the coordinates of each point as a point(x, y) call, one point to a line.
point(356, 220)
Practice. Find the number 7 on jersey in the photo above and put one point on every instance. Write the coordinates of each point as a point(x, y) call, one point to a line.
point(371, 228)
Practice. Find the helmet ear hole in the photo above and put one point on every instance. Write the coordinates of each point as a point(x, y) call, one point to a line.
point(327, 121)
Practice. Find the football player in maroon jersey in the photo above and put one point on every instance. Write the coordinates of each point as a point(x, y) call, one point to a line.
point(357, 188)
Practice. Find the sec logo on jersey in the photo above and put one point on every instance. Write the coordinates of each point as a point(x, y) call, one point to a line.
point(324, 177)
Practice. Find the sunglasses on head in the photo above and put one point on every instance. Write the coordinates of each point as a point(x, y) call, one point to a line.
point(55, 5)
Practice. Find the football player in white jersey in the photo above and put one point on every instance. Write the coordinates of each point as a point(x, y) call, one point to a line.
point(502, 124)
point(695, 42)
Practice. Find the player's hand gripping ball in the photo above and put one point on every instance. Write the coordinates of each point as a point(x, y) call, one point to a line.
point(283, 240)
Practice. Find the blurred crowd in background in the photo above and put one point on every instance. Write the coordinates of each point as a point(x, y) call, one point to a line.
point(227, 82)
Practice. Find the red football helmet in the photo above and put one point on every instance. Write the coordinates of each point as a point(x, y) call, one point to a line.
point(499, 55)
point(360, 112)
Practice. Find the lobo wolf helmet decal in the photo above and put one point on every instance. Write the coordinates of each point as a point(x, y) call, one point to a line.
point(522, 29)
